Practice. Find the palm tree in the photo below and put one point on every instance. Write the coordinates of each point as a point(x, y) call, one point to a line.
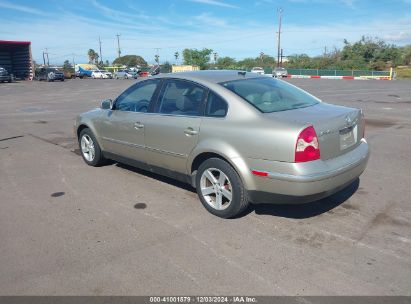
point(176, 55)
point(91, 55)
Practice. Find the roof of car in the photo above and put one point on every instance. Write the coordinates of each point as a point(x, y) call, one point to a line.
point(214, 76)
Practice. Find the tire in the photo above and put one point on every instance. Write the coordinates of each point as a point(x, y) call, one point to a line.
point(227, 183)
point(62, 79)
point(88, 144)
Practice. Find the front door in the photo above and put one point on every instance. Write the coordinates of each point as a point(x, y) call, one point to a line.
point(122, 128)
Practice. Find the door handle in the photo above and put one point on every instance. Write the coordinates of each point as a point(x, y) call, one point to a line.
point(138, 125)
point(190, 131)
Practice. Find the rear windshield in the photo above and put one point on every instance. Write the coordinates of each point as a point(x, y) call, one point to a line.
point(270, 95)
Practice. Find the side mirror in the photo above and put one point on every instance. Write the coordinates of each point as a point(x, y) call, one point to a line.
point(107, 104)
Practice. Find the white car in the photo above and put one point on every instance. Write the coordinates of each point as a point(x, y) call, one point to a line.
point(107, 73)
point(258, 70)
point(99, 74)
point(280, 72)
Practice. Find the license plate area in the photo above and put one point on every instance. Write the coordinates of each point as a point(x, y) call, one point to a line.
point(348, 137)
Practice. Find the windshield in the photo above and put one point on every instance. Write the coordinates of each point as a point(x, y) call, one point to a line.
point(270, 95)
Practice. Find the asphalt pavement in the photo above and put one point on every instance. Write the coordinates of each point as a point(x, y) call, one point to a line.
point(70, 229)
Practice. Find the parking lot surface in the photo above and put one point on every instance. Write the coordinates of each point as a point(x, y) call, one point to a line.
point(70, 229)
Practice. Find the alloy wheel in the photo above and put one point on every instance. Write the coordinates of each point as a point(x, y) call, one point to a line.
point(87, 148)
point(216, 188)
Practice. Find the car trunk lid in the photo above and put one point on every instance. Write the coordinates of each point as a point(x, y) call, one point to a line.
point(338, 128)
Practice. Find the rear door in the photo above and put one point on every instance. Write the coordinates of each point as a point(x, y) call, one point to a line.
point(172, 132)
point(122, 128)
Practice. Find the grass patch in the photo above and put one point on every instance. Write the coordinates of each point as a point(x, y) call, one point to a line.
point(403, 73)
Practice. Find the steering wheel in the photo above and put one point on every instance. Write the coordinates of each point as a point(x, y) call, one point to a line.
point(142, 106)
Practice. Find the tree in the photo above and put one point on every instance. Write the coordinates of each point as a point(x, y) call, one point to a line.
point(67, 66)
point(166, 67)
point(92, 55)
point(371, 53)
point(226, 63)
point(197, 57)
point(130, 61)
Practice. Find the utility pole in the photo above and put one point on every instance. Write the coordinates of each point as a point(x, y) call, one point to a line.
point(101, 56)
point(325, 51)
point(118, 45)
point(44, 59)
point(280, 14)
point(281, 60)
point(215, 57)
point(47, 55)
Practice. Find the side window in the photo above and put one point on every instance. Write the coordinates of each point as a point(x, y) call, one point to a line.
point(181, 98)
point(216, 106)
point(137, 98)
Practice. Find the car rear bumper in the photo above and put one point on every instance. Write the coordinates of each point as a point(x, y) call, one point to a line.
point(304, 182)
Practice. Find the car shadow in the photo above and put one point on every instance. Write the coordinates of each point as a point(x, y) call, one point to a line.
point(292, 211)
point(307, 210)
point(156, 176)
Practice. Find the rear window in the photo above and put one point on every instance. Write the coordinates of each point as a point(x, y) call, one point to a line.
point(270, 95)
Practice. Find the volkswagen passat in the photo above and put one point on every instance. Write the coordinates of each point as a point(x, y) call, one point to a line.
point(236, 137)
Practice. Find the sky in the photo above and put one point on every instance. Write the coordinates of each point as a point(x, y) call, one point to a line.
point(234, 28)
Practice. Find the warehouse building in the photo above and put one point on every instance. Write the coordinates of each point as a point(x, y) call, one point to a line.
point(15, 57)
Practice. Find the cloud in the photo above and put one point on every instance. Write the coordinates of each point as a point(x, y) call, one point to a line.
point(20, 8)
point(210, 20)
point(215, 3)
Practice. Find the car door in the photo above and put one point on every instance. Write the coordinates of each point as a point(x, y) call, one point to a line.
point(122, 128)
point(172, 132)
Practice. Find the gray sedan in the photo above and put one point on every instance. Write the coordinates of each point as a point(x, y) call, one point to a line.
point(236, 137)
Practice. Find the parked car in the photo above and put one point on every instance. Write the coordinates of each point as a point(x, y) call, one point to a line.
point(258, 70)
point(69, 73)
point(5, 76)
point(123, 74)
point(280, 72)
point(144, 73)
point(108, 74)
point(261, 139)
point(49, 74)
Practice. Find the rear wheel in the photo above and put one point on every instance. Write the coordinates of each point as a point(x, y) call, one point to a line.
point(90, 149)
point(220, 188)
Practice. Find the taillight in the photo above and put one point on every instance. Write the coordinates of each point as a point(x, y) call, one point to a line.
point(307, 147)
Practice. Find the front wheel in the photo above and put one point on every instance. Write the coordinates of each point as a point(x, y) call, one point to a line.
point(90, 149)
point(220, 188)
